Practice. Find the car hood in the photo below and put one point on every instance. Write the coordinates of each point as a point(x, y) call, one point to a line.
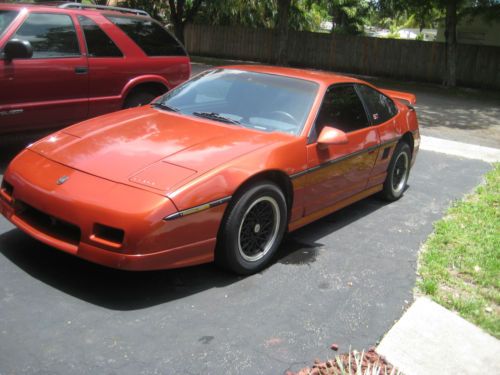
point(150, 148)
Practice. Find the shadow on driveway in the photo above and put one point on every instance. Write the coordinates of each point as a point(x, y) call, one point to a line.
point(125, 290)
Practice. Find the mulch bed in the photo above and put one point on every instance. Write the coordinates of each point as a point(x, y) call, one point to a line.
point(330, 367)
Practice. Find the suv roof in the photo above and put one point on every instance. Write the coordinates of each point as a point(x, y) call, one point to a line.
point(104, 7)
point(75, 6)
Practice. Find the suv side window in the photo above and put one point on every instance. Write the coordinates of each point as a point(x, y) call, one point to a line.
point(99, 44)
point(6, 17)
point(341, 108)
point(381, 107)
point(50, 35)
point(153, 39)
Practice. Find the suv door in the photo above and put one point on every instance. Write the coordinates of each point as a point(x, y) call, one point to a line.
point(340, 171)
point(109, 69)
point(50, 89)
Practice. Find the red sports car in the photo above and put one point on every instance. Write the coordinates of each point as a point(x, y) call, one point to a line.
point(219, 168)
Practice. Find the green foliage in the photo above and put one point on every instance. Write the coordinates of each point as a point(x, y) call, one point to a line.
point(406, 13)
point(304, 15)
point(348, 16)
point(429, 286)
point(428, 13)
point(250, 13)
point(460, 264)
point(157, 9)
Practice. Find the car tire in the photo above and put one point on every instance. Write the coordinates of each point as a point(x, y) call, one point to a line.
point(397, 174)
point(252, 229)
point(138, 99)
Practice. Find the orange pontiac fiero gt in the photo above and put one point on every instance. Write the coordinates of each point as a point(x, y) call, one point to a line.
point(220, 168)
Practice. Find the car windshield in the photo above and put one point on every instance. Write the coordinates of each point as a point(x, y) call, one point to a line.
point(6, 17)
point(265, 102)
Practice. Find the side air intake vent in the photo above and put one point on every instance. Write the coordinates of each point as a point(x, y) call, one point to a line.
point(6, 191)
point(108, 236)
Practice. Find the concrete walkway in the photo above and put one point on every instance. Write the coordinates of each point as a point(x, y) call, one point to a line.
point(430, 339)
point(464, 150)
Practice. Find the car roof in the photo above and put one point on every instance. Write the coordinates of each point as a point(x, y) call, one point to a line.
point(55, 8)
point(318, 76)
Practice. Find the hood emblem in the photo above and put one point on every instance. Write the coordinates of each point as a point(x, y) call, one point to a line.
point(62, 180)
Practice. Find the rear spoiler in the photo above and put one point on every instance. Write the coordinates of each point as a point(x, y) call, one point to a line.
point(410, 98)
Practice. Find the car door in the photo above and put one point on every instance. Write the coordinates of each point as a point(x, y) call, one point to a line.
point(340, 171)
point(384, 117)
point(109, 70)
point(50, 89)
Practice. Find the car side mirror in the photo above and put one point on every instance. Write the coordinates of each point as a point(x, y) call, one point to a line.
point(17, 49)
point(332, 136)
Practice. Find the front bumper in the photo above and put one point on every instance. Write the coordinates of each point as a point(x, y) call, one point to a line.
point(70, 211)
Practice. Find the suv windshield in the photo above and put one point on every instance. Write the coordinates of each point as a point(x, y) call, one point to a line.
point(6, 17)
point(259, 101)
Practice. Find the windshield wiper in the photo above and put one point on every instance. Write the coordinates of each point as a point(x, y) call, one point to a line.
point(217, 117)
point(165, 106)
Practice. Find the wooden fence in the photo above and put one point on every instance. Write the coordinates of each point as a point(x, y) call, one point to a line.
point(477, 66)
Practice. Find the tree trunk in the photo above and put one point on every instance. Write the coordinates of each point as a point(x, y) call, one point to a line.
point(180, 15)
point(176, 15)
point(179, 31)
point(451, 44)
point(282, 26)
point(422, 24)
point(339, 20)
point(336, 20)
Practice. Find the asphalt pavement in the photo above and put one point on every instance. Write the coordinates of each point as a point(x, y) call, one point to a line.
point(344, 279)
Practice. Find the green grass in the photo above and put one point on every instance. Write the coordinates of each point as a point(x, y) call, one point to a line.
point(460, 263)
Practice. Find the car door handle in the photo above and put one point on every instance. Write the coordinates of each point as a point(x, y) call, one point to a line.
point(81, 70)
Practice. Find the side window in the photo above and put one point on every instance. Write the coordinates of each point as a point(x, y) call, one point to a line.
point(6, 17)
point(381, 107)
point(51, 35)
point(342, 109)
point(153, 39)
point(99, 44)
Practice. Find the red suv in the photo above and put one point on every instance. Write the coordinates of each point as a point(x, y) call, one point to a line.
point(63, 64)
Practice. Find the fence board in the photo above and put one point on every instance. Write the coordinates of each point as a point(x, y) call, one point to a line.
point(477, 66)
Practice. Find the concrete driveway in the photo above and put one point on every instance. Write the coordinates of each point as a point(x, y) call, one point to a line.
point(344, 279)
